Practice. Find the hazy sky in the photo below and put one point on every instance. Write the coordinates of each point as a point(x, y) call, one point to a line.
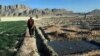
point(75, 5)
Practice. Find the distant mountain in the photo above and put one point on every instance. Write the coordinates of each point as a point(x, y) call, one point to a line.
point(95, 12)
point(14, 10)
point(22, 10)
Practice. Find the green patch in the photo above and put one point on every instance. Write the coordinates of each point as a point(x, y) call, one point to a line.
point(10, 32)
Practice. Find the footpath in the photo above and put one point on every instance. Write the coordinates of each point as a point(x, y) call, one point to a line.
point(29, 47)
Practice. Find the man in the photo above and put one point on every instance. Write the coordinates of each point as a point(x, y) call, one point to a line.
point(30, 25)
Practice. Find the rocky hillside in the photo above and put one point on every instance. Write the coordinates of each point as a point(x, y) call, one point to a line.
point(22, 10)
point(95, 12)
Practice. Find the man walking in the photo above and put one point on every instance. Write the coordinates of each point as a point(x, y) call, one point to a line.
point(31, 26)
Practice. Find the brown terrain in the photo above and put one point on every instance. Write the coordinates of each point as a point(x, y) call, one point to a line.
point(70, 29)
point(64, 36)
point(71, 35)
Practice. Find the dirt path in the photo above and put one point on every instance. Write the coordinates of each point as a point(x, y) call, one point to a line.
point(3, 19)
point(28, 47)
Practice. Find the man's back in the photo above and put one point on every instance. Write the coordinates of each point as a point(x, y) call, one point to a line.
point(30, 22)
point(30, 25)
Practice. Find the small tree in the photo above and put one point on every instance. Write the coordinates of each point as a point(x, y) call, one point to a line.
point(36, 16)
point(20, 14)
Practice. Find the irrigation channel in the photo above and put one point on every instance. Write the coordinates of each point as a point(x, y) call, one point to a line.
point(61, 48)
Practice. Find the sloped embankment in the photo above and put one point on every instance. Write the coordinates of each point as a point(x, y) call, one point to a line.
point(43, 48)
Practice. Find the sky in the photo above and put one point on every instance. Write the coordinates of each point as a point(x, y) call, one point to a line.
point(74, 5)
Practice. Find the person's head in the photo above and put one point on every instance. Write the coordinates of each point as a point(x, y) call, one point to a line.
point(30, 17)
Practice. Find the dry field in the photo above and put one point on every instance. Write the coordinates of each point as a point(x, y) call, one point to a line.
point(16, 18)
point(64, 35)
point(58, 31)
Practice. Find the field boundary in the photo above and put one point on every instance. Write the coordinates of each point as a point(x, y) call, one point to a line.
point(28, 47)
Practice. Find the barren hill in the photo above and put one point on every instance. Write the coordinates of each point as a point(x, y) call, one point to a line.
point(22, 10)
